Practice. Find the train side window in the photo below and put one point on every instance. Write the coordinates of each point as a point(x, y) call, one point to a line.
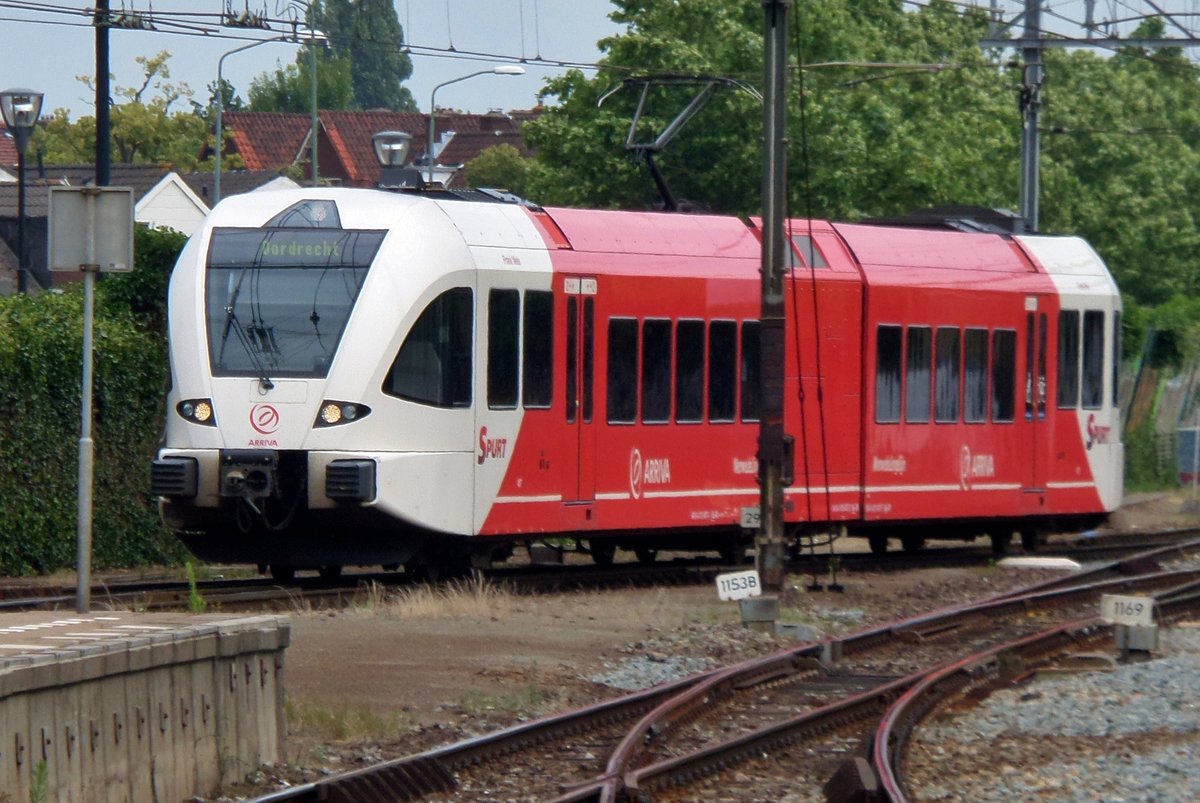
point(689, 372)
point(807, 252)
point(1030, 402)
point(946, 375)
point(504, 316)
point(751, 372)
point(722, 371)
point(1068, 359)
point(622, 370)
point(1004, 374)
point(433, 365)
point(919, 354)
point(572, 356)
point(1041, 367)
point(1093, 359)
point(1116, 359)
point(589, 356)
point(537, 349)
point(656, 371)
point(888, 341)
point(975, 375)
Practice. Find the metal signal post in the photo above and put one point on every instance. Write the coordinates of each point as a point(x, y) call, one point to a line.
point(771, 444)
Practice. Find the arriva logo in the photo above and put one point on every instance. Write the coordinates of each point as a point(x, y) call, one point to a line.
point(264, 418)
point(973, 467)
point(1096, 433)
point(654, 471)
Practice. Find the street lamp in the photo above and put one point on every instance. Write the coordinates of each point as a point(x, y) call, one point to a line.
point(21, 109)
point(503, 69)
point(221, 106)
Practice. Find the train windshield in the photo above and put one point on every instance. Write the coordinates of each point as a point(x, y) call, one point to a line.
point(278, 298)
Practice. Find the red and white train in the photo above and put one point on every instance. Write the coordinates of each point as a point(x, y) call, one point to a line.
point(367, 377)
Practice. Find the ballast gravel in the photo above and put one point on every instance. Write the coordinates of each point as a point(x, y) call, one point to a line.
point(1132, 734)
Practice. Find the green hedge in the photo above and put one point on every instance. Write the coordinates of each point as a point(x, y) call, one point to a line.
point(41, 344)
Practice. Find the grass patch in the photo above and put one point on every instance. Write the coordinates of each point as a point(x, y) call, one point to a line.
point(347, 723)
point(526, 698)
point(474, 597)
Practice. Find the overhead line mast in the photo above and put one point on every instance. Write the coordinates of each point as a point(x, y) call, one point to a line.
point(772, 448)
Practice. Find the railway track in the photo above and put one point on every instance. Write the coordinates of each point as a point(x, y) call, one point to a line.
point(263, 593)
point(801, 719)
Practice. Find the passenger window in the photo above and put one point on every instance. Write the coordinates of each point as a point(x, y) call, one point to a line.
point(504, 315)
point(1093, 359)
point(1004, 374)
point(751, 372)
point(1068, 359)
point(887, 374)
point(656, 372)
point(809, 255)
point(975, 368)
point(538, 350)
point(433, 365)
point(722, 371)
point(946, 374)
point(1116, 360)
point(622, 370)
point(916, 369)
point(689, 372)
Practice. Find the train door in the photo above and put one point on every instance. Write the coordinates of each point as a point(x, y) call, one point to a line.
point(580, 292)
point(1036, 342)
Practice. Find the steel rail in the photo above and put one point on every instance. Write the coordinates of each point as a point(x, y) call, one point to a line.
point(960, 677)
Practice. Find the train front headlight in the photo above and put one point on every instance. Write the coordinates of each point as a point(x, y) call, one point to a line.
point(337, 412)
point(198, 411)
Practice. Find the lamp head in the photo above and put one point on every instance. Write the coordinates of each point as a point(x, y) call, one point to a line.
point(509, 69)
point(20, 107)
point(391, 147)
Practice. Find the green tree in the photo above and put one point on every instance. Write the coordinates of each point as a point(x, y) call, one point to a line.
point(144, 128)
point(289, 88)
point(868, 139)
point(499, 167)
point(369, 34)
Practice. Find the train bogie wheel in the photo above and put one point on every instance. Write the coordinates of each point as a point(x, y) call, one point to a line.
point(878, 544)
point(330, 572)
point(282, 573)
point(1030, 539)
point(602, 552)
point(913, 543)
point(1000, 543)
point(732, 554)
point(646, 554)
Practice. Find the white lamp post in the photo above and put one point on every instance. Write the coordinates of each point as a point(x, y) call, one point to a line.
point(21, 109)
point(503, 69)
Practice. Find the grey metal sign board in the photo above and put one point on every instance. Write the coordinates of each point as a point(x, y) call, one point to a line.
point(91, 226)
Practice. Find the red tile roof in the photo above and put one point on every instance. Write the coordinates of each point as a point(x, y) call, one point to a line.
point(8, 150)
point(266, 140)
point(273, 140)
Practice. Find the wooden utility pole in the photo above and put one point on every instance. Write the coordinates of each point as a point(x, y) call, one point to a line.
point(769, 545)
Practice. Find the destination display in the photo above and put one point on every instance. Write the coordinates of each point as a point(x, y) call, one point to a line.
point(293, 248)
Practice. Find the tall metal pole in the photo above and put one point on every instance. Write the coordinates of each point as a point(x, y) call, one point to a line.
point(87, 449)
point(771, 452)
point(1030, 102)
point(103, 126)
point(312, 66)
point(220, 97)
point(22, 258)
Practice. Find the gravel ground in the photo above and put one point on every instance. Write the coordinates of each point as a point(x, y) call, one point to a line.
point(1129, 735)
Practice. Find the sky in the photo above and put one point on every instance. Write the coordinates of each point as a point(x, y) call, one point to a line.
point(44, 49)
